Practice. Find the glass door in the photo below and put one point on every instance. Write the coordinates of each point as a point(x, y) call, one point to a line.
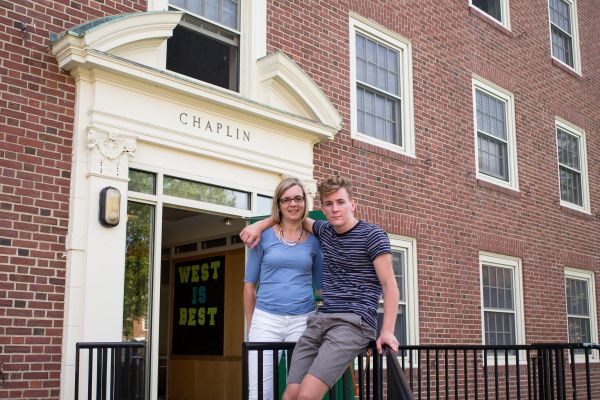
point(138, 277)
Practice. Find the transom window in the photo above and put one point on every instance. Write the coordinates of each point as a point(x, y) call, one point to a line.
point(501, 295)
point(572, 169)
point(205, 44)
point(496, 160)
point(497, 9)
point(380, 71)
point(563, 31)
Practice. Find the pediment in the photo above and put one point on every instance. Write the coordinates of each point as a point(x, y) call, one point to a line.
point(138, 37)
point(284, 85)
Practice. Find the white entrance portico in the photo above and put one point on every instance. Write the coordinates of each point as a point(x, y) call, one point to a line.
point(131, 111)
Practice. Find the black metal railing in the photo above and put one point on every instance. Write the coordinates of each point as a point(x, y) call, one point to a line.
point(549, 371)
point(363, 380)
point(112, 371)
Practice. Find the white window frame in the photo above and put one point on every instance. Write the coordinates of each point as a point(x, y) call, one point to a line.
point(575, 36)
point(253, 41)
point(493, 90)
point(588, 276)
point(514, 263)
point(393, 40)
point(504, 13)
point(411, 290)
point(585, 192)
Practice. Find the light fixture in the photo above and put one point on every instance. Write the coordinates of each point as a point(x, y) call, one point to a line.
point(226, 221)
point(110, 206)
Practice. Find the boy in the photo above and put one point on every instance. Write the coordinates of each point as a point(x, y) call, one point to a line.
point(357, 269)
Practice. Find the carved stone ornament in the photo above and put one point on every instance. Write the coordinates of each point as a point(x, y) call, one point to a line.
point(111, 153)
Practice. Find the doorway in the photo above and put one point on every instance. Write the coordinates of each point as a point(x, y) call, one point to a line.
point(183, 294)
point(201, 322)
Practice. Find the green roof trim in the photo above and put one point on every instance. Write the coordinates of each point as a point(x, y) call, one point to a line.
point(81, 29)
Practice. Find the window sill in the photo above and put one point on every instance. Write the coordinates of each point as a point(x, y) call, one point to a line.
point(490, 20)
point(359, 144)
point(576, 213)
point(489, 185)
point(566, 68)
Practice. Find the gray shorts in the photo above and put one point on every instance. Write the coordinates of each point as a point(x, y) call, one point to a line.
point(328, 345)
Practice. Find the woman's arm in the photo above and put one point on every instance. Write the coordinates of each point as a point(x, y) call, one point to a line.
point(249, 302)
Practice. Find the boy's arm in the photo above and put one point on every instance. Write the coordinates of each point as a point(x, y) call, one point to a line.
point(391, 297)
point(307, 224)
point(250, 235)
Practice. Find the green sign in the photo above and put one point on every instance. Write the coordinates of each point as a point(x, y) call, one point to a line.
point(198, 306)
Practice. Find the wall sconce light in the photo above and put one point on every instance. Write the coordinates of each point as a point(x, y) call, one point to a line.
point(110, 206)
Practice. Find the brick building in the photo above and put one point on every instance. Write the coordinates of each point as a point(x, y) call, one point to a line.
point(470, 128)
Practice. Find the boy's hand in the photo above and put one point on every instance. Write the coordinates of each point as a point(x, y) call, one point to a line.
point(250, 235)
point(389, 339)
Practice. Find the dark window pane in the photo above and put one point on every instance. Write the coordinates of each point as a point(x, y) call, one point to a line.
point(201, 57)
point(400, 328)
point(499, 328)
point(577, 297)
point(579, 330)
point(491, 7)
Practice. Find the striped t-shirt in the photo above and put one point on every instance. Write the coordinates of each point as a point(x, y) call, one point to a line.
point(350, 283)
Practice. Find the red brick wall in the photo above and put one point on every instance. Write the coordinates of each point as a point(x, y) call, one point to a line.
point(436, 198)
point(36, 123)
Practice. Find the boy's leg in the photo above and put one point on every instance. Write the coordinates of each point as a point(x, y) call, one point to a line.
point(345, 337)
point(291, 391)
point(312, 388)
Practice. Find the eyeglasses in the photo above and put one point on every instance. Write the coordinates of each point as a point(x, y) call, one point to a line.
point(295, 199)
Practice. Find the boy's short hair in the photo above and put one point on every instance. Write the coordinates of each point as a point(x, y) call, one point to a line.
point(335, 183)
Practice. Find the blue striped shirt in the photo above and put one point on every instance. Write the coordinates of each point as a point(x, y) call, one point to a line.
point(350, 283)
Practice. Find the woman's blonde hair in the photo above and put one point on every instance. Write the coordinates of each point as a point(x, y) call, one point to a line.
point(280, 190)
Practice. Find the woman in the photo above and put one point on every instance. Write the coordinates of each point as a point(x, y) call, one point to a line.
point(285, 267)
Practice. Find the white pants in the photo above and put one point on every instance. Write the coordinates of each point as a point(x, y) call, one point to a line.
point(268, 327)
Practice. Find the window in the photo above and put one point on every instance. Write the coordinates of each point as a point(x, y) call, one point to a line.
point(405, 271)
point(581, 306)
point(572, 167)
point(501, 295)
point(563, 32)
point(497, 9)
point(581, 310)
point(381, 87)
point(494, 134)
point(205, 44)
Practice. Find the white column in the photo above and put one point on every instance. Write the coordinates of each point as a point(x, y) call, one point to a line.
point(95, 254)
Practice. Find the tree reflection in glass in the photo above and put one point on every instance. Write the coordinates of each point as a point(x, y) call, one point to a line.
point(203, 192)
point(138, 259)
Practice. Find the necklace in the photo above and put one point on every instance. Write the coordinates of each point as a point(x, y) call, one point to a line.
point(287, 242)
